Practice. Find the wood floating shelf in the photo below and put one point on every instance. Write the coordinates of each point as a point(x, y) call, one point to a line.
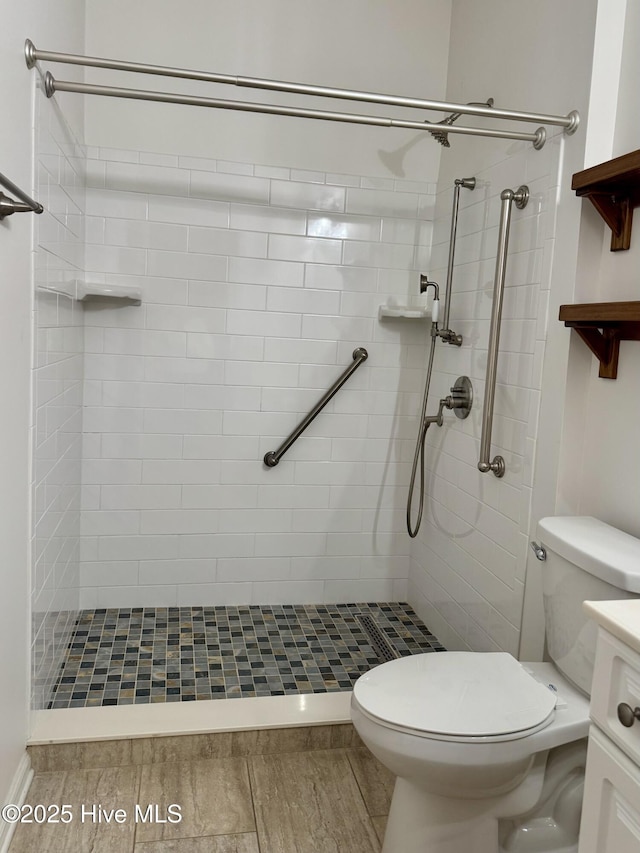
point(614, 190)
point(602, 325)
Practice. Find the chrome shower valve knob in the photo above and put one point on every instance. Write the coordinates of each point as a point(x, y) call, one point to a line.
point(461, 397)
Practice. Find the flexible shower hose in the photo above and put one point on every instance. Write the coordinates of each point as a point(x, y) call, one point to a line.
point(419, 453)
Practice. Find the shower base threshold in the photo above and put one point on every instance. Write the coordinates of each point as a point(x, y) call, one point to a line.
point(71, 725)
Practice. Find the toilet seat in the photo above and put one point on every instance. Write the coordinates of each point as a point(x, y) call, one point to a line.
point(456, 696)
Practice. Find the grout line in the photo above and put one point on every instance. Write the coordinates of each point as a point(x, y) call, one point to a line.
point(253, 803)
point(135, 828)
point(355, 776)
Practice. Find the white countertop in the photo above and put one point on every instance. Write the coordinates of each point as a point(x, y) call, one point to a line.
point(620, 618)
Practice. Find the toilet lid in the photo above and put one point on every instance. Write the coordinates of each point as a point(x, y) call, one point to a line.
point(456, 694)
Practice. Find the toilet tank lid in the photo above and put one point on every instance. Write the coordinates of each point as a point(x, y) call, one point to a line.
point(600, 549)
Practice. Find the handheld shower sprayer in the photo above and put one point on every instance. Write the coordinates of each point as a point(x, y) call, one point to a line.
point(460, 401)
point(425, 284)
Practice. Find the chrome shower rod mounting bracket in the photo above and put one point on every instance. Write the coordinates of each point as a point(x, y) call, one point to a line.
point(571, 128)
point(541, 138)
point(8, 205)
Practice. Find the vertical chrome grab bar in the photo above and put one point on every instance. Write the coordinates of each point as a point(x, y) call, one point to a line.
point(272, 458)
point(445, 332)
point(520, 197)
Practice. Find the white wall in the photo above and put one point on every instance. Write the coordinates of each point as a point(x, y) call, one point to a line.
point(468, 566)
point(57, 394)
point(600, 448)
point(63, 25)
point(398, 48)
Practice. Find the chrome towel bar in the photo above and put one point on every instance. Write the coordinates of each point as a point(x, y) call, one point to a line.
point(520, 197)
point(9, 205)
point(272, 458)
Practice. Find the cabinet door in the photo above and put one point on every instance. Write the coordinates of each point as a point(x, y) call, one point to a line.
point(611, 808)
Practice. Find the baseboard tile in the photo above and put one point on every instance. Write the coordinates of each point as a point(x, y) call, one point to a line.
point(17, 794)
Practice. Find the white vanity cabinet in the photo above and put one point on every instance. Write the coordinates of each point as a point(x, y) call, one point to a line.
point(611, 807)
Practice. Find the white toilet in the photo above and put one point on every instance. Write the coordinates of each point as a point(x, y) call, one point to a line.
point(489, 752)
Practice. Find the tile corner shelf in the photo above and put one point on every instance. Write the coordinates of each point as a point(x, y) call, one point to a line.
point(87, 291)
point(602, 325)
point(614, 190)
point(403, 312)
point(84, 291)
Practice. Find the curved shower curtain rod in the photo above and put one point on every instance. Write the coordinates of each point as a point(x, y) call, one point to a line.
point(569, 122)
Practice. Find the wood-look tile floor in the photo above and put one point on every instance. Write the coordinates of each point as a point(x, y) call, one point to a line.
point(318, 801)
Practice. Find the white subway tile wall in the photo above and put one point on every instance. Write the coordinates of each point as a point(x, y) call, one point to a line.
point(466, 578)
point(258, 284)
point(57, 396)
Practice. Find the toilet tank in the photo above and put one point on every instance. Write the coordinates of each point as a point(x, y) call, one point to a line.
point(586, 560)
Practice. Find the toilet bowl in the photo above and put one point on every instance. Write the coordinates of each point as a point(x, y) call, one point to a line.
point(489, 753)
point(469, 761)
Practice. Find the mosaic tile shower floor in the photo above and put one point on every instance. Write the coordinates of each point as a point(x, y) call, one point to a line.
point(182, 654)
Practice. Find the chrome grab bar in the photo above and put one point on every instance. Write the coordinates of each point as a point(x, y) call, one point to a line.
point(9, 205)
point(272, 458)
point(520, 197)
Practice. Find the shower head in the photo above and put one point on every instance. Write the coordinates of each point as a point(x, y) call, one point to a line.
point(441, 135)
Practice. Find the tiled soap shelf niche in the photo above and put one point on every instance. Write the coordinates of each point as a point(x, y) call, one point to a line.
point(614, 190)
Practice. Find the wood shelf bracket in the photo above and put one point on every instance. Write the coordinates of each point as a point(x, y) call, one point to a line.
point(618, 214)
point(605, 345)
point(602, 325)
point(614, 190)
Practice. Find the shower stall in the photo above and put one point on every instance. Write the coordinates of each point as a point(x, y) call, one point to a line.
point(190, 311)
